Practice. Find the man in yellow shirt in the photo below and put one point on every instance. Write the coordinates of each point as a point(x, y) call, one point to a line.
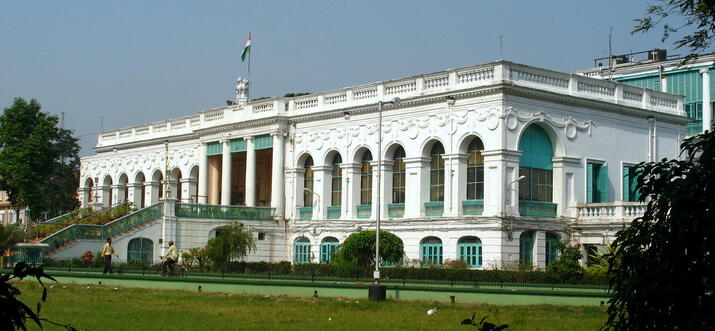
point(107, 253)
point(172, 255)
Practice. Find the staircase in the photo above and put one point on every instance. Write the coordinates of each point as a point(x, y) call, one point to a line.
point(76, 232)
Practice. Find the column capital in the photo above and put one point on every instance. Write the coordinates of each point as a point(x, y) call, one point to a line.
point(704, 71)
point(456, 156)
point(416, 160)
point(248, 138)
point(279, 133)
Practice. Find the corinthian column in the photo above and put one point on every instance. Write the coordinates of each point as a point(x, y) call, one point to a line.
point(250, 173)
point(226, 173)
point(277, 174)
point(203, 174)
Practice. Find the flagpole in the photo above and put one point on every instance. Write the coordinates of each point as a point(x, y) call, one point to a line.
point(249, 70)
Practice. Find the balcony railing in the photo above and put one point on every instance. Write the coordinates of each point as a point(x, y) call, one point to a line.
point(434, 208)
point(473, 207)
point(364, 211)
point(305, 213)
point(395, 210)
point(224, 212)
point(544, 209)
point(333, 212)
point(619, 211)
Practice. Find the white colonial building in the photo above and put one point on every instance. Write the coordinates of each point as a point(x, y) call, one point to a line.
point(490, 164)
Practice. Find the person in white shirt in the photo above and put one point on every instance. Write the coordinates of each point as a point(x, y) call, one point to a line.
point(107, 252)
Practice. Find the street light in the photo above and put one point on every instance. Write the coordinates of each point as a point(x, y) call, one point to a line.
point(377, 291)
point(503, 210)
point(313, 193)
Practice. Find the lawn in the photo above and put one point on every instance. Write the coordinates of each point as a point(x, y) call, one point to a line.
point(97, 307)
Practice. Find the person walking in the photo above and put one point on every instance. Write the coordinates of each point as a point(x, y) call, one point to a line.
point(172, 255)
point(107, 253)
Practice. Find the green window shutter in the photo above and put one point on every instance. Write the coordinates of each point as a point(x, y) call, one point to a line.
point(626, 183)
point(537, 150)
point(589, 183)
point(634, 193)
point(213, 148)
point(262, 142)
point(602, 184)
point(238, 145)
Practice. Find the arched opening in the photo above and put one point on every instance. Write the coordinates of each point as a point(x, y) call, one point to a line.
point(365, 208)
point(107, 200)
point(157, 186)
point(140, 190)
point(301, 250)
point(526, 249)
point(327, 249)
point(175, 185)
point(431, 251)
point(306, 212)
point(536, 189)
point(397, 208)
point(336, 187)
point(474, 205)
point(435, 206)
point(123, 190)
point(193, 189)
point(552, 252)
point(470, 251)
point(140, 250)
point(89, 193)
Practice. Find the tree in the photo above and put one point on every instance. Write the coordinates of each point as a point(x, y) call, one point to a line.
point(39, 164)
point(9, 236)
point(231, 242)
point(698, 15)
point(662, 268)
point(14, 313)
point(360, 248)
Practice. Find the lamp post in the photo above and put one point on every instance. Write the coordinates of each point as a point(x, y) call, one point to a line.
point(503, 210)
point(315, 194)
point(377, 292)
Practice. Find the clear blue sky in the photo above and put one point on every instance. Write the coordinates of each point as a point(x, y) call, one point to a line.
point(134, 62)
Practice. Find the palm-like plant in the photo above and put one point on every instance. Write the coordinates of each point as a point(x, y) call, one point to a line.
point(9, 236)
point(602, 261)
point(231, 243)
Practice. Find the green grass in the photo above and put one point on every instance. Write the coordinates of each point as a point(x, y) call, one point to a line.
point(95, 307)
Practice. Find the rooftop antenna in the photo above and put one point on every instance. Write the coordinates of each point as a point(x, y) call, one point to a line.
point(101, 122)
point(62, 120)
point(610, 54)
point(501, 49)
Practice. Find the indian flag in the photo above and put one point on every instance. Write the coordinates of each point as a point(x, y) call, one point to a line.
point(246, 48)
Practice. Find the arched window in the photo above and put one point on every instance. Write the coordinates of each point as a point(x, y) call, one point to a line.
point(536, 190)
point(308, 183)
point(431, 251)
point(366, 179)
point(327, 248)
point(140, 250)
point(337, 181)
point(436, 192)
point(470, 251)
point(475, 170)
point(301, 250)
point(398, 176)
point(552, 253)
point(526, 249)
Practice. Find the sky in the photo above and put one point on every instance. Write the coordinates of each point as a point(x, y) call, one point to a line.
point(115, 64)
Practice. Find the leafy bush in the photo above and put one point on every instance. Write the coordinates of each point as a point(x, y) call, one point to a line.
point(456, 264)
point(280, 268)
point(566, 267)
point(359, 248)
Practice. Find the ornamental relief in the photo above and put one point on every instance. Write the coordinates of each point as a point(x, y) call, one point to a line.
point(570, 126)
point(142, 162)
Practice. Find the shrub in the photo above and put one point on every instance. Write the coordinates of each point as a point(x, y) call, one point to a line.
point(87, 259)
point(359, 248)
point(566, 267)
point(456, 264)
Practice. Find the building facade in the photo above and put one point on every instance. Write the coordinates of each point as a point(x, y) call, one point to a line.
point(693, 79)
point(491, 164)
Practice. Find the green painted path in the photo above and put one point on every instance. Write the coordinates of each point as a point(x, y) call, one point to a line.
point(401, 294)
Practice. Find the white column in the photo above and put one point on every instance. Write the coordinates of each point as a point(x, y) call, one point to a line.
point(707, 105)
point(416, 186)
point(540, 250)
point(564, 172)
point(386, 188)
point(105, 197)
point(501, 168)
point(203, 174)
point(321, 185)
point(151, 193)
point(277, 174)
point(250, 173)
point(451, 187)
point(226, 173)
point(352, 172)
point(118, 194)
point(373, 210)
point(83, 194)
